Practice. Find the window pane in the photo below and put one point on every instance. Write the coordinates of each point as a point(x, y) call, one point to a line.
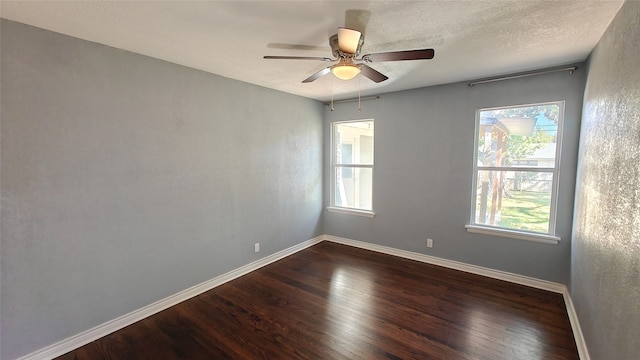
point(519, 200)
point(354, 142)
point(354, 191)
point(522, 136)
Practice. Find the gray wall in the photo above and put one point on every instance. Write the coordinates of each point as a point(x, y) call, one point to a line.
point(605, 281)
point(424, 142)
point(126, 179)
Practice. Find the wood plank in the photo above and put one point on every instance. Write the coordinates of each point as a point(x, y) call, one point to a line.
point(332, 301)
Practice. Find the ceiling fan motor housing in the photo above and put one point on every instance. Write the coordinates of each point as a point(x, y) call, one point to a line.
point(335, 47)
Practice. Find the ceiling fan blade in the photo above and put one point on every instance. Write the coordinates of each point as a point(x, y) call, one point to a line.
point(284, 46)
point(348, 40)
point(372, 74)
point(423, 54)
point(318, 58)
point(318, 75)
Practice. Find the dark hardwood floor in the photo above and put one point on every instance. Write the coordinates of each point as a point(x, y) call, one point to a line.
point(332, 301)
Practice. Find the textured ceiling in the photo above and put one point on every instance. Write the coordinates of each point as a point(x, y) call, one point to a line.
point(472, 39)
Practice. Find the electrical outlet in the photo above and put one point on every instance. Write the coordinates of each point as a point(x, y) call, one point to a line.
point(429, 243)
point(256, 247)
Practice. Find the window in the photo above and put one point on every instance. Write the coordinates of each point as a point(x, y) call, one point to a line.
point(516, 171)
point(352, 166)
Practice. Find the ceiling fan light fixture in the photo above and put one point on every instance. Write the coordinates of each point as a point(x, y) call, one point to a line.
point(348, 40)
point(345, 72)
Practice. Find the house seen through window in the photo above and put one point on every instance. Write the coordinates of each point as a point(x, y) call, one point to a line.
point(516, 167)
point(352, 164)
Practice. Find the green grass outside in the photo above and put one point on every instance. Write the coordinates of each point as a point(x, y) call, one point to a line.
point(526, 211)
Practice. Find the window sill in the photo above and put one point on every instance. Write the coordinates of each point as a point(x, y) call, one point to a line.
point(513, 234)
point(341, 210)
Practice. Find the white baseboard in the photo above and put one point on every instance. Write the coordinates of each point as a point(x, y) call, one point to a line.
point(479, 270)
point(85, 337)
point(583, 352)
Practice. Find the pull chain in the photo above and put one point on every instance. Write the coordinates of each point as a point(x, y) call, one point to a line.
point(359, 87)
point(332, 83)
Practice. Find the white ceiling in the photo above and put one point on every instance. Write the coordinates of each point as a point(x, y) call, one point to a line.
point(472, 39)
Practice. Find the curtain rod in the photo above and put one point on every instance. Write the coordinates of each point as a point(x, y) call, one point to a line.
point(351, 100)
point(570, 69)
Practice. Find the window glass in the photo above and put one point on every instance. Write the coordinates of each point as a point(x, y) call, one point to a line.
point(355, 191)
point(525, 203)
point(352, 164)
point(354, 142)
point(516, 167)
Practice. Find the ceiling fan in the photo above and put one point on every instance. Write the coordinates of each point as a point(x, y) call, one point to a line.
point(346, 46)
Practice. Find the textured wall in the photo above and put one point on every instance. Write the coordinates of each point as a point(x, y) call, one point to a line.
point(424, 142)
point(605, 282)
point(126, 179)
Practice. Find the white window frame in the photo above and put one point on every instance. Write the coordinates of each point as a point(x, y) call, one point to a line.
point(550, 237)
point(334, 166)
